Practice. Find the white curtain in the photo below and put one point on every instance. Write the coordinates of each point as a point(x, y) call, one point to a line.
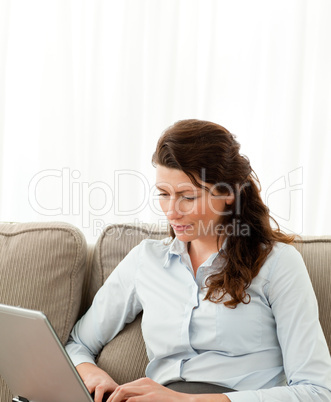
point(87, 87)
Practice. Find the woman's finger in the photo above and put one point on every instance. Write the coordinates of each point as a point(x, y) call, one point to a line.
point(99, 393)
point(124, 392)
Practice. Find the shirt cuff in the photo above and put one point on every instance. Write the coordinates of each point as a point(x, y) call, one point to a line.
point(78, 354)
point(81, 359)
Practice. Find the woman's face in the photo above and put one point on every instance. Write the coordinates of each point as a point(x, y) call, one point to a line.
point(193, 212)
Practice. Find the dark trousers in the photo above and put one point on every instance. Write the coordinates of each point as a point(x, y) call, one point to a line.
point(197, 387)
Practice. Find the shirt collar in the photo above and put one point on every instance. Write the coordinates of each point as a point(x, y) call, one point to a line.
point(178, 247)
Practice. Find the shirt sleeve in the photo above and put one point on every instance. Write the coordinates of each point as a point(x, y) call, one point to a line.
point(306, 356)
point(115, 304)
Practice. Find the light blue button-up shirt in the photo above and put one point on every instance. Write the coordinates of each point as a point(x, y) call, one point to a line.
point(255, 348)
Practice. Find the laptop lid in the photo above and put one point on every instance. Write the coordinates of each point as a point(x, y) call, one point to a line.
point(33, 361)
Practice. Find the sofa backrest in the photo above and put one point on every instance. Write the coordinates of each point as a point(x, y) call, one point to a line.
point(124, 358)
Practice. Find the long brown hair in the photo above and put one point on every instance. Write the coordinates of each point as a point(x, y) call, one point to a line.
point(209, 152)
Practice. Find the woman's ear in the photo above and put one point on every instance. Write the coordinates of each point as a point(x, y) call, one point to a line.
point(229, 200)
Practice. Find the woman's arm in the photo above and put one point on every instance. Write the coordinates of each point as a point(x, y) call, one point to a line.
point(114, 305)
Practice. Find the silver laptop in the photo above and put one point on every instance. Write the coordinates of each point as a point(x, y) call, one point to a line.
point(33, 361)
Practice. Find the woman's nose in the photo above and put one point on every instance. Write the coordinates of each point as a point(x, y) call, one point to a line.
point(173, 211)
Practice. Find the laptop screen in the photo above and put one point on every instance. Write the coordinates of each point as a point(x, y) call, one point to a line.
point(33, 362)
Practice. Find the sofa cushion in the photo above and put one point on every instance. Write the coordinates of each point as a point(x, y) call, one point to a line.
point(316, 252)
point(124, 358)
point(42, 267)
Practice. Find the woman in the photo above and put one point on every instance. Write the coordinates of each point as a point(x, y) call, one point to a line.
point(227, 302)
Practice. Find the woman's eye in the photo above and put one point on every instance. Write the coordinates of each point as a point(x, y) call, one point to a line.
point(186, 198)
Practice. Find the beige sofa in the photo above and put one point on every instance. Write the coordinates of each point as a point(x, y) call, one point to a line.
point(49, 267)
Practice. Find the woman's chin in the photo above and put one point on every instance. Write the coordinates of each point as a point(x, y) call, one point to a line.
point(184, 236)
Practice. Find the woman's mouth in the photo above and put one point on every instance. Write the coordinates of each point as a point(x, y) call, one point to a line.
point(181, 228)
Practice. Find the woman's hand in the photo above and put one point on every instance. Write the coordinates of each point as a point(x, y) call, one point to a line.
point(147, 390)
point(96, 380)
